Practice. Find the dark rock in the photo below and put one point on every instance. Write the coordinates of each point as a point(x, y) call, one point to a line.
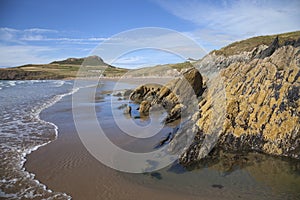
point(156, 175)
point(164, 141)
point(127, 93)
point(117, 94)
point(270, 50)
point(127, 110)
point(138, 95)
point(289, 42)
point(294, 43)
point(217, 186)
point(297, 43)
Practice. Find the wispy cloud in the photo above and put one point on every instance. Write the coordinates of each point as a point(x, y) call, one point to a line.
point(221, 22)
point(42, 35)
point(40, 30)
point(130, 60)
point(145, 58)
point(64, 39)
point(19, 54)
point(37, 45)
point(165, 41)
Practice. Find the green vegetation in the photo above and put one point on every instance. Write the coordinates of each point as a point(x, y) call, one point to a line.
point(180, 66)
point(65, 69)
point(72, 61)
point(251, 43)
point(160, 70)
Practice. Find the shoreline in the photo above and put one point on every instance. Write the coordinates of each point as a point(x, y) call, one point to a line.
point(35, 164)
point(37, 116)
point(64, 165)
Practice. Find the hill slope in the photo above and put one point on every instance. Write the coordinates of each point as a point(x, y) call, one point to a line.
point(65, 69)
point(251, 43)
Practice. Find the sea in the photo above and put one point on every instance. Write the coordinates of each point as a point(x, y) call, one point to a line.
point(22, 131)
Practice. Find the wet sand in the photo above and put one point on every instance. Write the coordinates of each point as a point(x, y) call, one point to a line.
point(65, 165)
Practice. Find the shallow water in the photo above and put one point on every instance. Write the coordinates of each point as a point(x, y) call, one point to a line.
point(22, 131)
point(231, 176)
point(66, 167)
point(264, 177)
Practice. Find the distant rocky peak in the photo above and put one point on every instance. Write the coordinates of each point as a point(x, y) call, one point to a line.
point(93, 61)
point(95, 57)
point(90, 60)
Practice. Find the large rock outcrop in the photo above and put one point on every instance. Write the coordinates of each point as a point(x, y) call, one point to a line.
point(176, 96)
point(251, 105)
point(250, 102)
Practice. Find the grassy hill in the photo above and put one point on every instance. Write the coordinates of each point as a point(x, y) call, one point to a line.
point(65, 69)
point(161, 70)
point(251, 43)
point(94, 66)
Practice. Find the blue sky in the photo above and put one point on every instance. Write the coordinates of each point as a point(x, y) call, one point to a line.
point(35, 31)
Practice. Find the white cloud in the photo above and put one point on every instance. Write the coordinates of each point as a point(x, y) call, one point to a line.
point(160, 39)
point(129, 60)
point(221, 22)
point(63, 39)
point(42, 35)
point(36, 45)
point(40, 30)
point(19, 55)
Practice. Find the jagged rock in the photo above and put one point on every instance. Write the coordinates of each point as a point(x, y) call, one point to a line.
point(127, 110)
point(144, 107)
point(138, 95)
point(175, 95)
point(174, 114)
point(262, 111)
point(294, 43)
point(212, 63)
point(250, 103)
point(194, 78)
point(127, 93)
point(270, 50)
point(117, 94)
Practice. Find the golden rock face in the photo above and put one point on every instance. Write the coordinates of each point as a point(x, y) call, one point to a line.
point(175, 96)
point(262, 101)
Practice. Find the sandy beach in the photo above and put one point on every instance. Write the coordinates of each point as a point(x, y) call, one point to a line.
point(150, 100)
point(65, 165)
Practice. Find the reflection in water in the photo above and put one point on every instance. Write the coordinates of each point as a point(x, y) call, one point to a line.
point(220, 176)
point(230, 176)
point(282, 175)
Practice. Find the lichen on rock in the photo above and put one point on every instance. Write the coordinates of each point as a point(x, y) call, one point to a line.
point(249, 102)
point(262, 106)
point(177, 96)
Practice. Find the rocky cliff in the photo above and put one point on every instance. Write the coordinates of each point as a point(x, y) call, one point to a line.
point(249, 102)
